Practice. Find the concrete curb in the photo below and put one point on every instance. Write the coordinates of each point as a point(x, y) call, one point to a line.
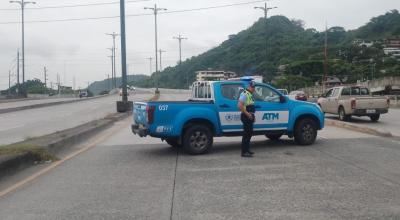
point(7, 110)
point(55, 143)
point(359, 128)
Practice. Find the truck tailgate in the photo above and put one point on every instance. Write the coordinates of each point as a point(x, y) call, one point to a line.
point(371, 103)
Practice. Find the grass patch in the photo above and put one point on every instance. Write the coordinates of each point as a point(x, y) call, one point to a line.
point(40, 153)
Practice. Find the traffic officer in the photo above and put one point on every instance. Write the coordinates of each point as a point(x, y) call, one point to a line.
point(246, 106)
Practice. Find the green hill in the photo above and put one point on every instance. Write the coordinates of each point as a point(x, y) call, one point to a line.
point(290, 44)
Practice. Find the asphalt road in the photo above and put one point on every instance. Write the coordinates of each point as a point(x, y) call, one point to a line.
point(19, 125)
point(344, 175)
point(388, 122)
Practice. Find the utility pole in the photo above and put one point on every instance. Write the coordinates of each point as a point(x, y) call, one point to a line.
point(22, 3)
point(150, 59)
point(266, 9)
point(180, 38)
point(45, 76)
point(161, 51)
point(108, 81)
point(58, 84)
point(155, 10)
point(112, 67)
point(9, 81)
point(18, 85)
point(126, 105)
point(325, 59)
point(114, 35)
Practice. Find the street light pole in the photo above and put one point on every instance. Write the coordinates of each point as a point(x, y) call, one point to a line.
point(155, 11)
point(22, 3)
point(265, 9)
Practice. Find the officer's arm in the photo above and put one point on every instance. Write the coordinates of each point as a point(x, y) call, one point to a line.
point(242, 108)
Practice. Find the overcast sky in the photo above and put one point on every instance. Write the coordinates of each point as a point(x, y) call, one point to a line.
point(79, 48)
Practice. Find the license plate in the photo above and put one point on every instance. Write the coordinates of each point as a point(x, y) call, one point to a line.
point(371, 111)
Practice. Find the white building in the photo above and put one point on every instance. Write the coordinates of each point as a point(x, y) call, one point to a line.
point(393, 52)
point(214, 75)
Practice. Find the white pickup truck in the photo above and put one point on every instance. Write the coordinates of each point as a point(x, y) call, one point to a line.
point(353, 101)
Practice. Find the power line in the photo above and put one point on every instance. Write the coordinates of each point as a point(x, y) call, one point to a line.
point(74, 6)
point(134, 15)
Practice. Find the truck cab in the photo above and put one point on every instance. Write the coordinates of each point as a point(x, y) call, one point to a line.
point(212, 112)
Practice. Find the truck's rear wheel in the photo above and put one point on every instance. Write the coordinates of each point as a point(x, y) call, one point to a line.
point(342, 115)
point(197, 139)
point(173, 142)
point(375, 118)
point(305, 131)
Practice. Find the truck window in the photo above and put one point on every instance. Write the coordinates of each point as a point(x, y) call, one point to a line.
point(335, 92)
point(364, 91)
point(231, 91)
point(265, 94)
point(329, 93)
point(202, 90)
point(346, 91)
point(355, 91)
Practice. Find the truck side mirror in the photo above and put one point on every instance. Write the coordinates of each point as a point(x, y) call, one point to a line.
point(282, 99)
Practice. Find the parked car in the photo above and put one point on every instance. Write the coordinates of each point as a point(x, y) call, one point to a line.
point(298, 95)
point(83, 94)
point(353, 101)
point(283, 91)
point(212, 112)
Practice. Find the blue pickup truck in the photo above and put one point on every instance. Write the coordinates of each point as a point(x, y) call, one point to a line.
point(212, 112)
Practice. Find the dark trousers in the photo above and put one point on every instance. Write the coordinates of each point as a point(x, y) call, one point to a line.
point(247, 132)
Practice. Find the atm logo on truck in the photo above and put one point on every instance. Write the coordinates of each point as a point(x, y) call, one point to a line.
point(271, 116)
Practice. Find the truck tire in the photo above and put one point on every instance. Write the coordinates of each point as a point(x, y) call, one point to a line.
point(198, 139)
point(375, 118)
point(342, 115)
point(173, 142)
point(274, 137)
point(305, 131)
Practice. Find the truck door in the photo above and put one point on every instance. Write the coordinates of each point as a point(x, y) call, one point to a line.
point(333, 101)
point(271, 114)
point(227, 96)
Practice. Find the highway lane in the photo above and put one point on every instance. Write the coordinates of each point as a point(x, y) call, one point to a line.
point(20, 125)
point(388, 122)
point(6, 105)
point(345, 175)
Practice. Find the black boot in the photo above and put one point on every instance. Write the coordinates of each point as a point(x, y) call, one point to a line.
point(246, 154)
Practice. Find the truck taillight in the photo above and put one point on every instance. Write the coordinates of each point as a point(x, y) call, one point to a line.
point(353, 104)
point(150, 114)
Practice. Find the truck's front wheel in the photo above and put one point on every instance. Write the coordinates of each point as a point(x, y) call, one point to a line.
point(197, 139)
point(305, 131)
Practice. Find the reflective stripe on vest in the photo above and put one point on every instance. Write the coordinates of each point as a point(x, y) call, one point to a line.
point(249, 98)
